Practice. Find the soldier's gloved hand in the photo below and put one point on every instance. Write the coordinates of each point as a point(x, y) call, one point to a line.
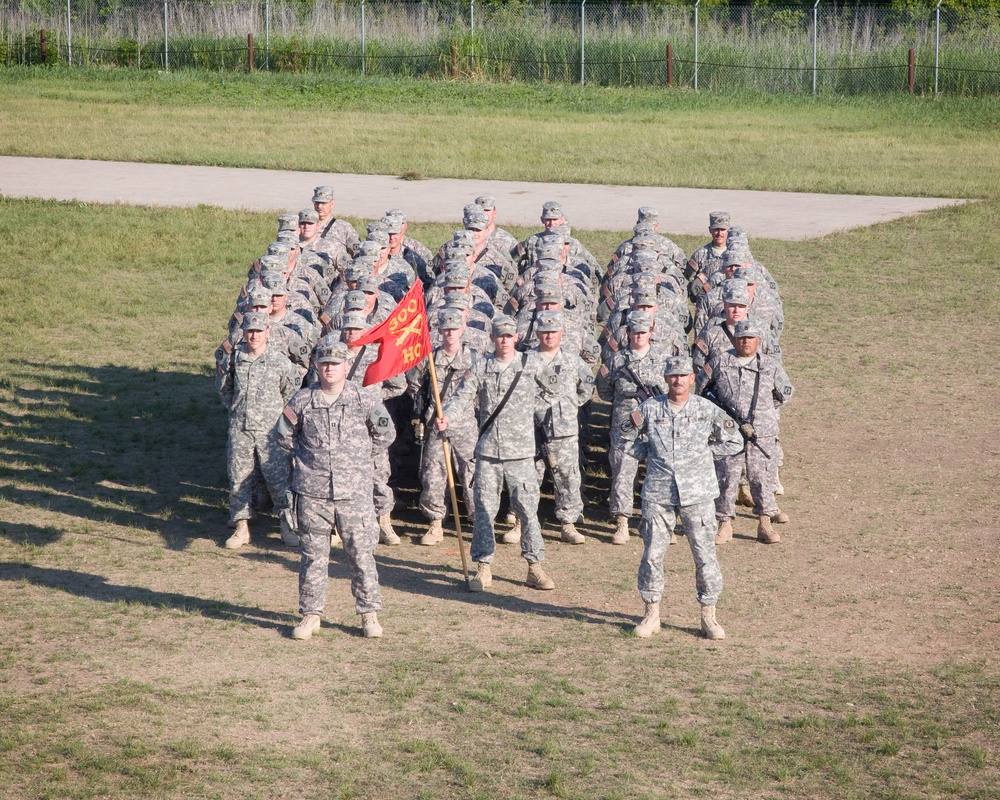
point(749, 434)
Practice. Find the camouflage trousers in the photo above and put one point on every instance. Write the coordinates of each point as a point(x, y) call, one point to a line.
point(243, 451)
point(355, 520)
point(623, 471)
point(384, 498)
point(699, 527)
point(762, 475)
point(434, 498)
point(522, 484)
point(566, 478)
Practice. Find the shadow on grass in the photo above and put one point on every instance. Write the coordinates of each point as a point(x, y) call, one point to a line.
point(139, 448)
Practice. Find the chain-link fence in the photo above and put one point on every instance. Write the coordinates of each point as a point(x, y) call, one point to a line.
point(822, 49)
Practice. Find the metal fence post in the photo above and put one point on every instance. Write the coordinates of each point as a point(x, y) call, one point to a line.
point(696, 4)
point(815, 23)
point(362, 37)
point(166, 39)
point(472, 33)
point(937, 42)
point(583, 40)
point(267, 34)
point(69, 31)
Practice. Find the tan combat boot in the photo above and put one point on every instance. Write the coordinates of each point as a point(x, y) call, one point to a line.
point(232, 523)
point(434, 535)
point(780, 517)
point(709, 626)
point(288, 535)
point(370, 627)
point(571, 535)
point(620, 536)
point(513, 536)
point(725, 532)
point(537, 579)
point(650, 623)
point(305, 629)
point(765, 533)
point(240, 537)
point(386, 534)
point(483, 577)
point(743, 496)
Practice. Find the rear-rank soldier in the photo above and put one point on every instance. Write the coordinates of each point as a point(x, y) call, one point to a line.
point(750, 386)
point(283, 336)
point(648, 221)
point(338, 231)
point(717, 336)
point(707, 259)
point(553, 217)
point(256, 383)
point(417, 255)
point(452, 359)
point(575, 338)
point(497, 236)
point(367, 298)
point(557, 423)
point(664, 335)
point(486, 252)
point(324, 427)
point(679, 435)
point(334, 256)
point(474, 336)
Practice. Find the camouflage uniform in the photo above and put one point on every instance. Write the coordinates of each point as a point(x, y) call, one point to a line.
point(506, 451)
point(716, 337)
point(462, 431)
point(254, 390)
point(614, 384)
point(680, 482)
point(733, 384)
point(558, 426)
point(332, 486)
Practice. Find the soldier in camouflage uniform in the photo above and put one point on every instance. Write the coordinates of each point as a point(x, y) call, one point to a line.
point(679, 435)
point(256, 383)
point(707, 259)
point(750, 386)
point(415, 253)
point(325, 427)
point(505, 450)
point(338, 231)
point(452, 359)
point(553, 217)
point(557, 423)
point(497, 237)
point(631, 375)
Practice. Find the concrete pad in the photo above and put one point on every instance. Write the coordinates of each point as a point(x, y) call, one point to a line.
point(772, 215)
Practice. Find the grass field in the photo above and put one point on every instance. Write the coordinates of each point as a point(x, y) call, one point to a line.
point(892, 145)
point(139, 659)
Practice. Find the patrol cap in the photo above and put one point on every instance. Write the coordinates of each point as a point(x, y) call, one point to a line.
point(279, 249)
point(564, 229)
point(455, 279)
point(379, 236)
point(457, 300)
point(645, 241)
point(372, 249)
point(392, 224)
point(678, 365)
point(450, 319)
point(376, 225)
point(644, 227)
point(259, 296)
point(357, 269)
point(486, 201)
point(354, 319)
point(290, 238)
point(735, 292)
point(504, 326)
point(548, 250)
point(322, 194)
point(355, 300)
point(331, 352)
point(256, 321)
point(717, 220)
point(549, 321)
point(474, 218)
point(733, 257)
point(399, 213)
point(288, 222)
point(274, 281)
point(745, 328)
point(751, 275)
point(308, 215)
point(456, 263)
point(273, 263)
point(648, 214)
point(644, 297)
point(639, 321)
point(737, 231)
point(548, 293)
point(552, 210)
point(547, 264)
point(464, 236)
point(459, 248)
point(368, 283)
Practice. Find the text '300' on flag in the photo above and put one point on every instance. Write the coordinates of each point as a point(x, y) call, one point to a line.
point(404, 339)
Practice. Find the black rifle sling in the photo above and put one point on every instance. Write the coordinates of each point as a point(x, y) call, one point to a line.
point(357, 360)
point(756, 391)
point(503, 400)
point(326, 230)
point(639, 383)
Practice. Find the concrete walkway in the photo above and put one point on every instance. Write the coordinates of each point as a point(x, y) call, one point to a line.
point(773, 215)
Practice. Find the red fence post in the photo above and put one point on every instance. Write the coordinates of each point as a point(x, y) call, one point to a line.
point(911, 73)
point(249, 52)
point(44, 47)
point(670, 65)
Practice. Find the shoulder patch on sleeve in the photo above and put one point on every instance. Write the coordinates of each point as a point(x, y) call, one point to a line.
point(787, 390)
point(227, 345)
point(604, 371)
point(729, 424)
point(290, 415)
point(701, 344)
point(637, 418)
point(380, 420)
point(708, 370)
point(613, 344)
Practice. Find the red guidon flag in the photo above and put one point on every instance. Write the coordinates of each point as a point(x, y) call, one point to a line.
point(404, 339)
